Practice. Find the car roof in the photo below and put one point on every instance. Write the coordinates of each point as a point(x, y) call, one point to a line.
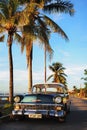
point(47, 85)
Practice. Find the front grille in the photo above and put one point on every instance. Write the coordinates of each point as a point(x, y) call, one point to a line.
point(38, 107)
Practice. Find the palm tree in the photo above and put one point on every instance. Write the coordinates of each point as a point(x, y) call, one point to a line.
point(10, 18)
point(39, 20)
point(9, 23)
point(58, 73)
point(57, 6)
point(35, 29)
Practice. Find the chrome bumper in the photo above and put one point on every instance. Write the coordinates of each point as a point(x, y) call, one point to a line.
point(47, 113)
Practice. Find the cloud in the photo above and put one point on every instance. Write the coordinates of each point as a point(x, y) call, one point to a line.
point(18, 75)
point(74, 73)
point(3, 62)
point(38, 77)
point(75, 69)
point(64, 53)
point(21, 76)
point(4, 75)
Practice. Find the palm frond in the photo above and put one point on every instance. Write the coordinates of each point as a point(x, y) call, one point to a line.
point(61, 69)
point(58, 72)
point(2, 29)
point(60, 6)
point(63, 74)
point(18, 37)
point(25, 43)
point(2, 38)
point(43, 42)
point(55, 27)
point(43, 33)
point(2, 18)
point(4, 9)
point(13, 6)
point(51, 68)
point(49, 77)
point(9, 11)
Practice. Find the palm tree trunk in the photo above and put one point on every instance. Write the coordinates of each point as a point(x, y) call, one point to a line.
point(11, 74)
point(45, 63)
point(30, 73)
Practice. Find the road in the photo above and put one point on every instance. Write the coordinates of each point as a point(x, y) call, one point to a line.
point(76, 120)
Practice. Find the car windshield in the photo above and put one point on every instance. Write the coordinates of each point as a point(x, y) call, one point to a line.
point(37, 98)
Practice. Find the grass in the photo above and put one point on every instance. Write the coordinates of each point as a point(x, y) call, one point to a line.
point(6, 109)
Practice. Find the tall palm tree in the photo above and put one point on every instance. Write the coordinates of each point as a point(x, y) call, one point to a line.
point(35, 29)
point(41, 20)
point(58, 73)
point(9, 23)
point(61, 7)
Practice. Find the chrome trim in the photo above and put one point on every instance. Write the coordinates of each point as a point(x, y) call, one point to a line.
point(52, 113)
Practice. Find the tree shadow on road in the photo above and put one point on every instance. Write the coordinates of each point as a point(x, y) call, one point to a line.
point(77, 117)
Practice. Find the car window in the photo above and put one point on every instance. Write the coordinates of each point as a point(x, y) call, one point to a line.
point(65, 91)
point(36, 89)
point(53, 90)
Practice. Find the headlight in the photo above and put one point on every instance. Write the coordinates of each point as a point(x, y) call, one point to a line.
point(58, 100)
point(17, 99)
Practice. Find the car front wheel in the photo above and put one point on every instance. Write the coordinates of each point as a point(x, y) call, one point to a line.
point(62, 119)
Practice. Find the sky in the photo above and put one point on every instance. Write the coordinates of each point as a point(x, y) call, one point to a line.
point(71, 54)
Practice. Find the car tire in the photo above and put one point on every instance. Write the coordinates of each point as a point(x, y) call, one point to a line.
point(68, 110)
point(16, 118)
point(62, 119)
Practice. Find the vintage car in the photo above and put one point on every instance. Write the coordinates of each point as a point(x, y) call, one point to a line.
point(56, 89)
point(39, 105)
